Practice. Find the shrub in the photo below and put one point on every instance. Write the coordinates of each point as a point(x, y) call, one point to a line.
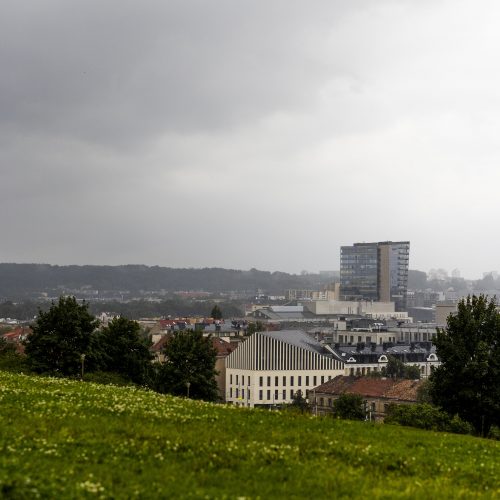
point(349, 406)
point(426, 416)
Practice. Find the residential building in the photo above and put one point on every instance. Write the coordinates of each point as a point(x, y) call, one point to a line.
point(270, 367)
point(375, 272)
point(377, 394)
point(362, 358)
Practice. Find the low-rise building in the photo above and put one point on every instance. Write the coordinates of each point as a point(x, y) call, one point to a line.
point(377, 394)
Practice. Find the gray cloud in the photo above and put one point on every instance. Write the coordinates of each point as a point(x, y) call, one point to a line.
point(263, 134)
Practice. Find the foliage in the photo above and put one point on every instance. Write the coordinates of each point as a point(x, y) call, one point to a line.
point(397, 369)
point(424, 392)
point(426, 416)
point(253, 327)
point(120, 348)
point(466, 383)
point(190, 359)
point(349, 406)
point(83, 440)
point(216, 312)
point(20, 281)
point(60, 336)
point(299, 403)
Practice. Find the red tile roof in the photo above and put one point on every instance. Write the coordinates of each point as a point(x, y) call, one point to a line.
point(222, 347)
point(387, 388)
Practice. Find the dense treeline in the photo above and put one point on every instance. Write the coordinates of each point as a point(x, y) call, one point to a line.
point(26, 310)
point(21, 280)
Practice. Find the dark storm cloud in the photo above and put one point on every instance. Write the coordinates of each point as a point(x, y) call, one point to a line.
point(117, 72)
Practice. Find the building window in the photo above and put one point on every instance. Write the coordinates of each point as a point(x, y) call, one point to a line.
point(261, 381)
point(321, 401)
point(243, 393)
point(260, 395)
point(330, 403)
point(300, 381)
point(291, 394)
point(329, 377)
point(248, 397)
point(236, 379)
point(341, 339)
point(284, 381)
point(230, 392)
point(276, 395)
point(248, 380)
point(284, 394)
point(268, 395)
point(315, 381)
point(243, 380)
point(231, 378)
point(291, 381)
point(322, 379)
point(276, 381)
point(237, 393)
point(268, 381)
point(307, 380)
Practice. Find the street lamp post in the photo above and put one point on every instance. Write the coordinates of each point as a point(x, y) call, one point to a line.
point(82, 361)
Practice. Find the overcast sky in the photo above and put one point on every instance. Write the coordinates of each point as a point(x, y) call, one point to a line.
point(249, 134)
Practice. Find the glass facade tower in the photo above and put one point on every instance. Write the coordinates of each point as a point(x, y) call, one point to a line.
point(375, 271)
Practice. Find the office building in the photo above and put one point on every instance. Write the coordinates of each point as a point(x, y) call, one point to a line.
point(375, 271)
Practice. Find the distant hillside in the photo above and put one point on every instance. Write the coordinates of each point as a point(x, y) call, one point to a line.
point(22, 280)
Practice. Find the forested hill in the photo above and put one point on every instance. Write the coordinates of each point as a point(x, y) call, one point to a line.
point(21, 280)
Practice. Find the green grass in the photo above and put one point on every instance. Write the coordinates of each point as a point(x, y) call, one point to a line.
point(66, 439)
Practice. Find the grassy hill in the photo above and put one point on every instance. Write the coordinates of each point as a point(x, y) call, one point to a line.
point(66, 439)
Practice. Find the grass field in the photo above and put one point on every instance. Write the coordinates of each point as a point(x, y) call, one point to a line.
point(66, 439)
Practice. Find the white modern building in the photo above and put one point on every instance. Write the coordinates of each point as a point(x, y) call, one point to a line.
point(270, 367)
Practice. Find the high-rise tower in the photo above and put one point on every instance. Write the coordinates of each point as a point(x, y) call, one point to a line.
point(375, 271)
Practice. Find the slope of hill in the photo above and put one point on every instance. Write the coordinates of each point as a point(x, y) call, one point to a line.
point(67, 439)
point(19, 280)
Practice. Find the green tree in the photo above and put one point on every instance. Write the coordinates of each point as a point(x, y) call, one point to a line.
point(189, 367)
point(467, 382)
point(216, 312)
point(122, 348)
point(60, 337)
point(349, 406)
point(254, 327)
point(397, 369)
point(299, 403)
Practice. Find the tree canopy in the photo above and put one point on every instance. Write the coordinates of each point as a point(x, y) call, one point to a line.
point(122, 348)
point(190, 359)
point(467, 382)
point(349, 406)
point(60, 336)
point(216, 312)
point(397, 369)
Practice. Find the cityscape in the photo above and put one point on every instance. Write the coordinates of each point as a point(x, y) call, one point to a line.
point(249, 250)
